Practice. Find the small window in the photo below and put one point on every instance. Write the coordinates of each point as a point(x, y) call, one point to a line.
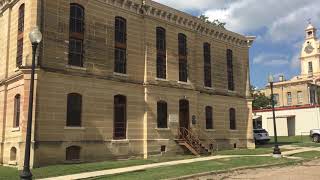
point(74, 108)
point(73, 153)
point(183, 62)
point(207, 65)
point(120, 117)
point(162, 114)
point(75, 52)
point(76, 35)
point(276, 99)
point(163, 148)
point(16, 121)
point(232, 116)
point(120, 51)
point(13, 154)
point(230, 70)
point(310, 68)
point(20, 36)
point(209, 121)
point(161, 53)
point(300, 97)
point(289, 98)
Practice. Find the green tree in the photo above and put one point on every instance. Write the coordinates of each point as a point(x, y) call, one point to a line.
point(215, 22)
point(261, 101)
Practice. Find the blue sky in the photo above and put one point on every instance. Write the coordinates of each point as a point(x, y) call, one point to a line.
point(278, 25)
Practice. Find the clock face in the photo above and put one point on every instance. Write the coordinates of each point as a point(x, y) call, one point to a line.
point(308, 49)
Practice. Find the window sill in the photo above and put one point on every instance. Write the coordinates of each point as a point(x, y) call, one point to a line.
point(161, 79)
point(16, 69)
point(120, 141)
point(13, 163)
point(74, 128)
point(163, 129)
point(233, 130)
point(232, 92)
point(210, 130)
point(120, 74)
point(209, 88)
point(15, 129)
point(76, 67)
point(185, 83)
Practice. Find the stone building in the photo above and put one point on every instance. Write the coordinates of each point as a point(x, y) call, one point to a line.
point(297, 99)
point(119, 78)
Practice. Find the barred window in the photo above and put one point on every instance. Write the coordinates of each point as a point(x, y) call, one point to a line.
point(230, 70)
point(120, 54)
point(207, 65)
point(183, 62)
point(73, 153)
point(232, 116)
point(74, 110)
point(120, 117)
point(76, 35)
point(162, 114)
point(16, 121)
point(20, 36)
point(161, 53)
point(209, 119)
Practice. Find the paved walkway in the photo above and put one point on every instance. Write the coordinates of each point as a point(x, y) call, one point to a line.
point(170, 163)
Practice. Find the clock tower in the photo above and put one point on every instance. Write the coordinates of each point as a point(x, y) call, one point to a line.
point(310, 59)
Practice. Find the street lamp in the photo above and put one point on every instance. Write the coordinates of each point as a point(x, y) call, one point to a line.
point(276, 150)
point(35, 37)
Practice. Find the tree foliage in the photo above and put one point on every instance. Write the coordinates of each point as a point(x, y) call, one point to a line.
point(261, 101)
point(215, 22)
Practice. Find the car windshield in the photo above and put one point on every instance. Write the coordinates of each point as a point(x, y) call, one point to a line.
point(260, 131)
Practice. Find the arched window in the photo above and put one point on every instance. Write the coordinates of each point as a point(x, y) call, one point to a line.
point(162, 114)
point(20, 36)
point(16, 121)
point(76, 35)
point(207, 65)
point(183, 62)
point(232, 117)
point(13, 154)
point(120, 53)
point(230, 70)
point(161, 53)
point(73, 153)
point(120, 117)
point(209, 121)
point(74, 109)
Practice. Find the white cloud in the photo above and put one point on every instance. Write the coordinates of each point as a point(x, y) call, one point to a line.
point(282, 20)
point(271, 60)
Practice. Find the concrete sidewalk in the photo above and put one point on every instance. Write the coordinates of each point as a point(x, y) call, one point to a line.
point(170, 163)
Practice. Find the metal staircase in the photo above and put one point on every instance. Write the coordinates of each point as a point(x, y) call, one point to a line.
point(190, 140)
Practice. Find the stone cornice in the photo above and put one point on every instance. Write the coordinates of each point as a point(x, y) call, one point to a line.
point(5, 4)
point(173, 16)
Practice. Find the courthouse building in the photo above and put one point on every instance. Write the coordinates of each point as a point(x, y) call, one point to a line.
point(297, 99)
point(120, 78)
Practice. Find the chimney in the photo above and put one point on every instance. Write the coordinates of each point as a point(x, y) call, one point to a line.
point(281, 78)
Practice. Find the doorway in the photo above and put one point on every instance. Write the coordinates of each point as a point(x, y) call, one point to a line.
point(291, 126)
point(184, 114)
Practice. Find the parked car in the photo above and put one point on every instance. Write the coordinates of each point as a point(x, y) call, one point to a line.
point(261, 136)
point(315, 135)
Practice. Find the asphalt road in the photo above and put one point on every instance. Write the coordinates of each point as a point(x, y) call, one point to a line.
point(306, 171)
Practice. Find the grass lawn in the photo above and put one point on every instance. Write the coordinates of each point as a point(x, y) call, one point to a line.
point(303, 141)
point(257, 151)
point(59, 170)
point(308, 155)
point(198, 167)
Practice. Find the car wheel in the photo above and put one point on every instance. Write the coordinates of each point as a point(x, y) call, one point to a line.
point(316, 138)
